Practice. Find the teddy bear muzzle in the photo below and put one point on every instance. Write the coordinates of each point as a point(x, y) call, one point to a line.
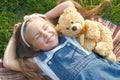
point(76, 28)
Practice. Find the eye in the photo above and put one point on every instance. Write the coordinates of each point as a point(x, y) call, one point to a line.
point(37, 36)
point(67, 28)
point(45, 28)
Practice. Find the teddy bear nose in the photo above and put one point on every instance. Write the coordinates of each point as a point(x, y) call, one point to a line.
point(74, 28)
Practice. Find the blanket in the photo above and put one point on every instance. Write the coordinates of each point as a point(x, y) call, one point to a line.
point(6, 74)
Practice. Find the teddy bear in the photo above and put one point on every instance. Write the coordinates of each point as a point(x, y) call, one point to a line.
point(92, 35)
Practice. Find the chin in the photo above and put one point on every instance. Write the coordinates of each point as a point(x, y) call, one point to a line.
point(53, 45)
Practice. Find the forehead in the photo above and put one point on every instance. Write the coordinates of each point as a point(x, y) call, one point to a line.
point(35, 21)
point(33, 26)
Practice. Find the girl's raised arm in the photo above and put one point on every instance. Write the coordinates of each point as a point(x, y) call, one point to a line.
point(10, 60)
point(58, 10)
point(54, 13)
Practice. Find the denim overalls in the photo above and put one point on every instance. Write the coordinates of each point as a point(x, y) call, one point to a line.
point(72, 63)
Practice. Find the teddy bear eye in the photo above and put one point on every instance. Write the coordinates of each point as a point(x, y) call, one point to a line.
point(71, 22)
point(67, 28)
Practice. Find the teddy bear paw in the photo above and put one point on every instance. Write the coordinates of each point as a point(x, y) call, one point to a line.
point(111, 57)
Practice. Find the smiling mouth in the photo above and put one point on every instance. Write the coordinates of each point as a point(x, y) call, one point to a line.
point(50, 38)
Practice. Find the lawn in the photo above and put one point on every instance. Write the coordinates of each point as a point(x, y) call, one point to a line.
point(12, 11)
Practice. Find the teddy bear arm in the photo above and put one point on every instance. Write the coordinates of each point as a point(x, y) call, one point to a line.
point(89, 45)
point(92, 31)
point(81, 39)
point(106, 34)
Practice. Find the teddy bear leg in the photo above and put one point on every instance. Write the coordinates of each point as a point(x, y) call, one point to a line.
point(105, 50)
point(111, 57)
point(101, 49)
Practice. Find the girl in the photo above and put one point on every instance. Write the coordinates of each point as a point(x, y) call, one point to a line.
point(56, 57)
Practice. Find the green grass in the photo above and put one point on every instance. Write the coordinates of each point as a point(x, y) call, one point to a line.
point(12, 11)
point(111, 12)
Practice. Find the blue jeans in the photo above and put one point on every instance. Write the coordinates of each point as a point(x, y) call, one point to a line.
point(71, 63)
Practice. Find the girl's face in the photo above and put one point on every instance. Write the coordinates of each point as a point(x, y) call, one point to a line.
point(41, 34)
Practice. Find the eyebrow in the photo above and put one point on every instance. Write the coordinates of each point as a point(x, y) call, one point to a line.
point(43, 26)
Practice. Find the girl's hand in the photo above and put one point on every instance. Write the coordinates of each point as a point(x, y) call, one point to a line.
point(16, 26)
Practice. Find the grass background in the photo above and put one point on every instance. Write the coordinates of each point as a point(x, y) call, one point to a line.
point(12, 11)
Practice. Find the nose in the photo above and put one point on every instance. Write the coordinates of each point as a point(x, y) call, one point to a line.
point(74, 28)
point(44, 33)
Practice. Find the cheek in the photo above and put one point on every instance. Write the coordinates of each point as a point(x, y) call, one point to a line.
point(40, 43)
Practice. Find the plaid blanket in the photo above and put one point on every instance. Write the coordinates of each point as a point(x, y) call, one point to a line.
point(6, 74)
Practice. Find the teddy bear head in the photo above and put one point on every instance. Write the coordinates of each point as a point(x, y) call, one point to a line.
point(70, 22)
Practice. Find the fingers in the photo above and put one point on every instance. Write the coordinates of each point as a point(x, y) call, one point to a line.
point(16, 26)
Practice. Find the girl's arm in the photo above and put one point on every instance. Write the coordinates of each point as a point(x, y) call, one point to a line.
point(54, 13)
point(10, 60)
point(58, 10)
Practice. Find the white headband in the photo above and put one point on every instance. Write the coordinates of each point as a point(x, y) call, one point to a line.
point(22, 33)
point(26, 18)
